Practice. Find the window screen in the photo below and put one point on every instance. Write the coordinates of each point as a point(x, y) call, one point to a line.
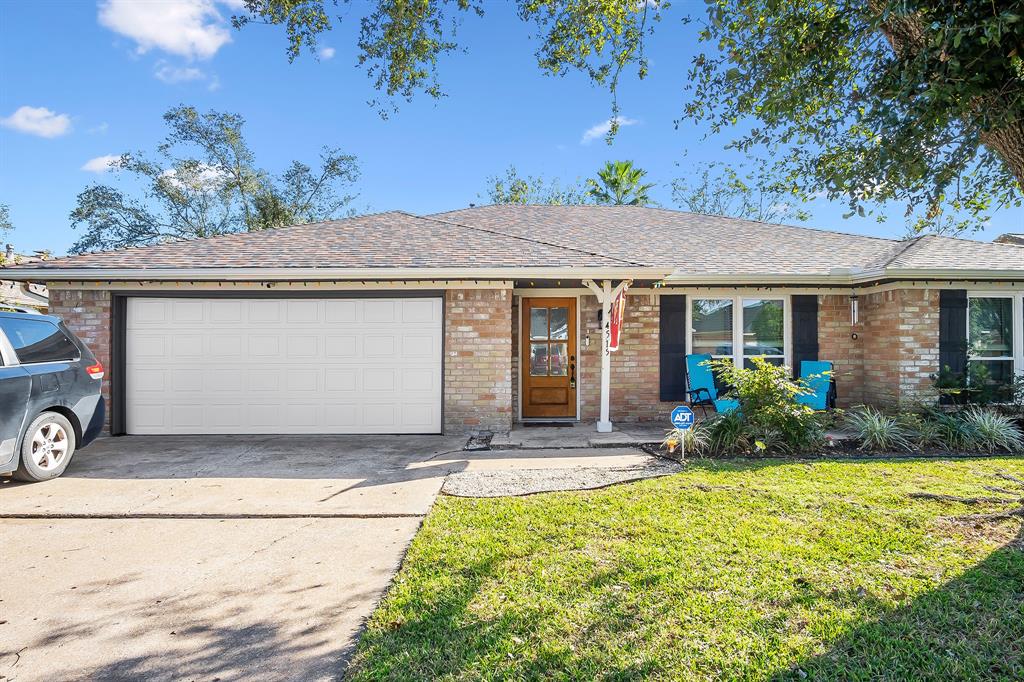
point(38, 340)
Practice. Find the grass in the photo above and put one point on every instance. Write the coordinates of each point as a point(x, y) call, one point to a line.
point(730, 570)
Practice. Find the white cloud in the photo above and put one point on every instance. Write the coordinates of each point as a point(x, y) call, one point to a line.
point(168, 73)
point(38, 121)
point(326, 53)
point(194, 29)
point(200, 177)
point(101, 164)
point(601, 129)
point(101, 129)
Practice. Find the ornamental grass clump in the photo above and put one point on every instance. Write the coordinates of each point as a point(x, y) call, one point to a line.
point(989, 431)
point(691, 441)
point(877, 431)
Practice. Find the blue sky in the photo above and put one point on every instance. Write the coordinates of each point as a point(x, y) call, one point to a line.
point(107, 71)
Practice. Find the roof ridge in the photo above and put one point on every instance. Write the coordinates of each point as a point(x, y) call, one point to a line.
point(526, 239)
point(906, 245)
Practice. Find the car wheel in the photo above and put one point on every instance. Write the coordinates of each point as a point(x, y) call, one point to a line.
point(47, 448)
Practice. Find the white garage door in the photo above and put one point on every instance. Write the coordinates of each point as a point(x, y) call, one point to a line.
point(232, 365)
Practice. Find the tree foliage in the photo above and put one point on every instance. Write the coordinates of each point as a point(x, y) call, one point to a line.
point(619, 183)
point(918, 102)
point(5, 221)
point(513, 188)
point(203, 181)
point(752, 193)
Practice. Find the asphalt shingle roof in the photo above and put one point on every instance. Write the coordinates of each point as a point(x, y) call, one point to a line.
point(512, 236)
point(932, 251)
point(382, 240)
point(689, 242)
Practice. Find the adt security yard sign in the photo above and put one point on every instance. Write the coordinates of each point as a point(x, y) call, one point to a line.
point(682, 417)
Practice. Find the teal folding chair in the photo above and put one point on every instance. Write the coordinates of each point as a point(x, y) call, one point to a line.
point(702, 389)
point(817, 375)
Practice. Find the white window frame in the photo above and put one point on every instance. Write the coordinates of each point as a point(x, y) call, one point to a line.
point(737, 324)
point(1017, 327)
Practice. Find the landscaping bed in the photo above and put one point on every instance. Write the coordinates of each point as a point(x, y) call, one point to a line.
point(733, 569)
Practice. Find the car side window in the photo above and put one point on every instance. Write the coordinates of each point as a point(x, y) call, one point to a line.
point(38, 341)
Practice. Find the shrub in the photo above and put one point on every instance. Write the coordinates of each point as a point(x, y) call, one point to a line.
point(990, 431)
point(768, 406)
point(728, 433)
point(877, 431)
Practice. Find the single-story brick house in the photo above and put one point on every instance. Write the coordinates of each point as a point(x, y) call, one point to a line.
point(474, 319)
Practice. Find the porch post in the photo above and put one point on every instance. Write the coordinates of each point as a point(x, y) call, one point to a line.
point(605, 424)
point(605, 296)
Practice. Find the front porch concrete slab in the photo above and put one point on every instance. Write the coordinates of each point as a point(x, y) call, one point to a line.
point(578, 435)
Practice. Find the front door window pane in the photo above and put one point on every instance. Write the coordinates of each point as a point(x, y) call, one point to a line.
point(559, 359)
point(990, 328)
point(538, 323)
point(538, 359)
point(712, 326)
point(763, 328)
point(559, 323)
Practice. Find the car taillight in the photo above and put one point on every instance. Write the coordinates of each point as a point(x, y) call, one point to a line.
point(95, 371)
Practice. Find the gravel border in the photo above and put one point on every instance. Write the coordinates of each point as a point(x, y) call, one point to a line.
point(518, 482)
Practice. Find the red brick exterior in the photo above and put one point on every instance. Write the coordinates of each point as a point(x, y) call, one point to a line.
point(635, 366)
point(478, 360)
point(896, 351)
point(87, 314)
point(836, 343)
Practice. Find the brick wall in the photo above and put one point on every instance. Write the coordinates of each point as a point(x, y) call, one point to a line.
point(635, 366)
point(87, 314)
point(478, 360)
point(900, 345)
point(836, 343)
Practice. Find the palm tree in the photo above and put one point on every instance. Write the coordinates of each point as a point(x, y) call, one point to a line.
point(618, 183)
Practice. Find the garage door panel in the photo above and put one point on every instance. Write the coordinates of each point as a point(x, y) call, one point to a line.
point(283, 365)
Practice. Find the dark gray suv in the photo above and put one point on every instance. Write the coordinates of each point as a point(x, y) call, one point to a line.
point(50, 401)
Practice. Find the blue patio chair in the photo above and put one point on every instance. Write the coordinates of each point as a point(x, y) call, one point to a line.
point(702, 389)
point(817, 375)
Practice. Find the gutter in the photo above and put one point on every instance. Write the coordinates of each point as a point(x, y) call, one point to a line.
point(327, 274)
point(848, 277)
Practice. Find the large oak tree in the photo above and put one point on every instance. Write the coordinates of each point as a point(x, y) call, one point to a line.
point(920, 102)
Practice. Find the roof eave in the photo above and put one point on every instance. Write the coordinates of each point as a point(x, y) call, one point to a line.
point(52, 274)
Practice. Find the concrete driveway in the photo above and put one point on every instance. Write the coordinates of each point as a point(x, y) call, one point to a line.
point(218, 558)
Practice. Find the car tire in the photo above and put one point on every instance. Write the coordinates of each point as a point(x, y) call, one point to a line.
point(47, 447)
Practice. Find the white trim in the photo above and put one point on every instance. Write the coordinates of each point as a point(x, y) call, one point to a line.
point(389, 285)
point(737, 299)
point(329, 274)
point(1016, 327)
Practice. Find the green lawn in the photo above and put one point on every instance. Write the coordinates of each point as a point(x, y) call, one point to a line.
point(730, 570)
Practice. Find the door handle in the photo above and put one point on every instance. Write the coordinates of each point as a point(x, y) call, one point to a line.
point(572, 371)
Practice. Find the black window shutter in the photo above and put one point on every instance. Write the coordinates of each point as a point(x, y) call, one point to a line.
point(953, 330)
point(672, 342)
point(804, 318)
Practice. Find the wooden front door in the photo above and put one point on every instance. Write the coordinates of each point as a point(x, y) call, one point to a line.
point(548, 342)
